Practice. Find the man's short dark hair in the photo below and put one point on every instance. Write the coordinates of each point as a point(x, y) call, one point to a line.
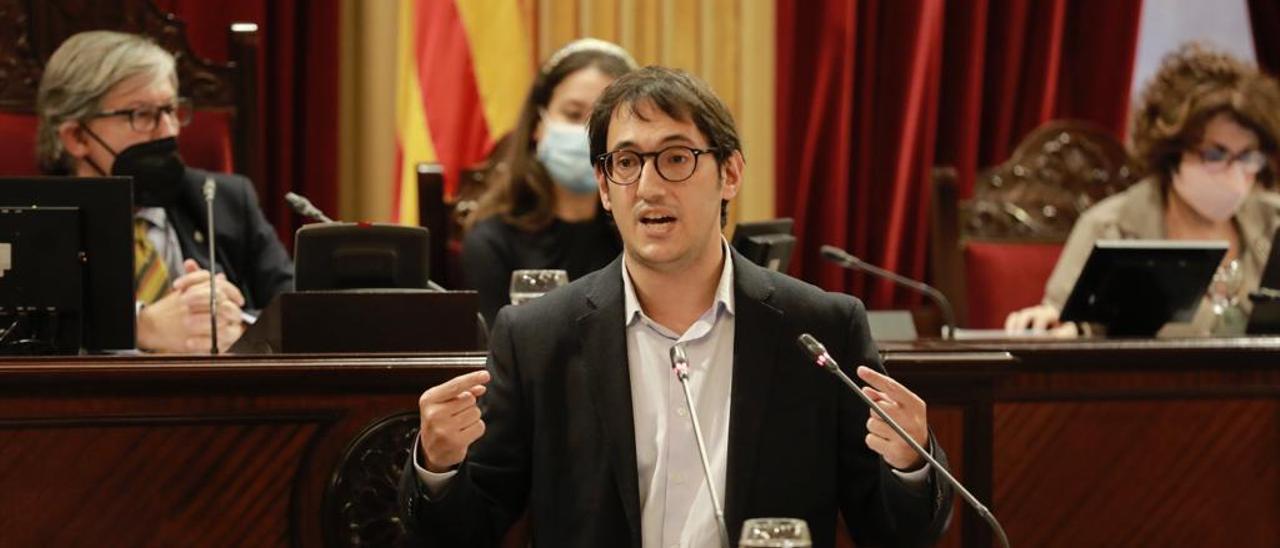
point(677, 94)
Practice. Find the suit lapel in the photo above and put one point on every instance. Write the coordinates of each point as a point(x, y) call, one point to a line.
point(188, 219)
point(757, 335)
point(604, 359)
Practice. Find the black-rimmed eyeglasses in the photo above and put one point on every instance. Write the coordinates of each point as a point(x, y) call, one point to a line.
point(674, 164)
point(145, 119)
point(1217, 160)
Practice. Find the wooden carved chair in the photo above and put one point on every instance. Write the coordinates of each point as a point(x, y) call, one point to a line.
point(225, 133)
point(993, 253)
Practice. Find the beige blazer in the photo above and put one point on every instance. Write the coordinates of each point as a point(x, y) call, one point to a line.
point(1138, 214)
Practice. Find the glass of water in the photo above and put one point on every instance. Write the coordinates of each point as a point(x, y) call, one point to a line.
point(775, 533)
point(527, 285)
point(1224, 295)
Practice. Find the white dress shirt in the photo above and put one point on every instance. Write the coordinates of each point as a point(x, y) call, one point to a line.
point(675, 505)
point(164, 238)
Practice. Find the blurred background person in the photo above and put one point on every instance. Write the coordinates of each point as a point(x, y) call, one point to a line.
point(541, 209)
point(108, 105)
point(1205, 131)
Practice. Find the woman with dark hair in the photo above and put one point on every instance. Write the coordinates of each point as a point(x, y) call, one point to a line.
point(542, 208)
point(1206, 131)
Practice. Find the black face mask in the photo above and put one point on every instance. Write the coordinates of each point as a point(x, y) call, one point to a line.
point(156, 169)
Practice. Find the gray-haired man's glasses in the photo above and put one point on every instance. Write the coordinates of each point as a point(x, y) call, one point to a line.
point(145, 119)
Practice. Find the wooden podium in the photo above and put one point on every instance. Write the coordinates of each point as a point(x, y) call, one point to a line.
point(1082, 443)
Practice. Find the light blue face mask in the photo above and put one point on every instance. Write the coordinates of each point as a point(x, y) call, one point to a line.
point(566, 154)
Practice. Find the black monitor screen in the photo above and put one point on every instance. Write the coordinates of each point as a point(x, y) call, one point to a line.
point(1265, 317)
point(105, 237)
point(766, 243)
point(360, 256)
point(1135, 286)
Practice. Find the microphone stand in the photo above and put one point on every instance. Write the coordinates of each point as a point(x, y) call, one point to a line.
point(209, 188)
point(819, 355)
point(843, 258)
point(680, 363)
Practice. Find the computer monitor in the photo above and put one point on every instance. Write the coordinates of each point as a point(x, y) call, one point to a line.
point(329, 256)
point(766, 243)
point(55, 213)
point(1265, 317)
point(1134, 287)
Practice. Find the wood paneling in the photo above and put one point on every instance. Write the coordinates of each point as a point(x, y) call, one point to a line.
point(1165, 473)
point(1117, 443)
point(1129, 443)
point(236, 451)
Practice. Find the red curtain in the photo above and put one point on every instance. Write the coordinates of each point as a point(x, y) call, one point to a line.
point(1264, 17)
point(873, 93)
point(298, 87)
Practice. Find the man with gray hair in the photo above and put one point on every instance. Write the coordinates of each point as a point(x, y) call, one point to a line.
point(108, 105)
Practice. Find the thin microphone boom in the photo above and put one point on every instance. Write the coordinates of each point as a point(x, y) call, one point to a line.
point(819, 355)
point(843, 258)
point(302, 206)
point(209, 189)
point(680, 364)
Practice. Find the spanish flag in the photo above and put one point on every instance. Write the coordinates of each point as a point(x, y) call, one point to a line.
point(464, 69)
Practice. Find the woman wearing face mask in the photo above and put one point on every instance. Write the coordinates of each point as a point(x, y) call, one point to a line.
point(1206, 130)
point(542, 209)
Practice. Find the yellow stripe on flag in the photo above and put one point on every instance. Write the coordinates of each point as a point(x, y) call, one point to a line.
point(500, 53)
point(411, 120)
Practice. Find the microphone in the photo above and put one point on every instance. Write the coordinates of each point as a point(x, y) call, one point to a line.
point(209, 189)
point(680, 364)
point(843, 258)
point(305, 208)
point(818, 353)
point(302, 206)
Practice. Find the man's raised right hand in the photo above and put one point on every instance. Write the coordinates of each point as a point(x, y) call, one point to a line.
point(451, 420)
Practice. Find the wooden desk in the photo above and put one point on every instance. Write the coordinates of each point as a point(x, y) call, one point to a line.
point(1110, 443)
point(1071, 444)
point(146, 451)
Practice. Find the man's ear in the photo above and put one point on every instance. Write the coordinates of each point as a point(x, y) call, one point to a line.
point(731, 175)
point(73, 139)
point(603, 185)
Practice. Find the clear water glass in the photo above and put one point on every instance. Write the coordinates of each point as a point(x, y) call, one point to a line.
point(775, 533)
point(1224, 296)
point(527, 285)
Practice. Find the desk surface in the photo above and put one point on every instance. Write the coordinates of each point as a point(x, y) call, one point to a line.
point(1071, 442)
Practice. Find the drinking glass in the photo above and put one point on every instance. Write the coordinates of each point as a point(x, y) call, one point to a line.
point(1224, 296)
point(775, 533)
point(527, 285)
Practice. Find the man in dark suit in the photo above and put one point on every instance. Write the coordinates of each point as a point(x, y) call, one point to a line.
point(108, 105)
point(582, 422)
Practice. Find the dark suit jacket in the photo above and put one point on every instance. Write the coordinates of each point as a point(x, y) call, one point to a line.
point(560, 436)
point(248, 250)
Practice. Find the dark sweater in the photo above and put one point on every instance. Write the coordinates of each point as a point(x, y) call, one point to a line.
point(493, 249)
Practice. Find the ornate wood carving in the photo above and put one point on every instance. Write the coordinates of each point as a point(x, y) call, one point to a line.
point(360, 505)
point(1057, 172)
point(30, 31)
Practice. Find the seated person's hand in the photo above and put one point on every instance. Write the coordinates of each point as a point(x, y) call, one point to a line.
point(179, 322)
point(1039, 319)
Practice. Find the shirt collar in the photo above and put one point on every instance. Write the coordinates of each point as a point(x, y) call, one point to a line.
point(153, 215)
point(724, 290)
